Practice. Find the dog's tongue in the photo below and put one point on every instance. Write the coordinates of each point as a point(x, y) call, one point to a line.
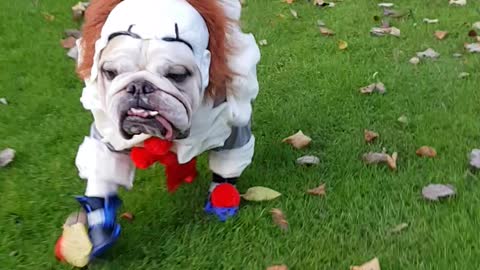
point(167, 126)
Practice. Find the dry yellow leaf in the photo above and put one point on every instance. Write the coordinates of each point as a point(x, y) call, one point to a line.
point(289, 1)
point(342, 45)
point(374, 264)
point(441, 34)
point(326, 32)
point(318, 191)
point(48, 17)
point(298, 140)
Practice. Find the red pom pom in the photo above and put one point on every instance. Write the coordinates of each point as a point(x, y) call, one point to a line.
point(225, 195)
point(58, 250)
point(157, 146)
point(141, 157)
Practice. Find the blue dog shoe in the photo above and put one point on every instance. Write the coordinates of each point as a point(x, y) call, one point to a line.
point(102, 227)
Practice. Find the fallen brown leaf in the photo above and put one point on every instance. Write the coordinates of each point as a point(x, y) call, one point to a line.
point(382, 31)
point(68, 43)
point(128, 216)
point(277, 267)
point(428, 53)
point(414, 60)
point(298, 140)
point(458, 2)
point(376, 158)
point(318, 191)
point(279, 218)
point(370, 136)
point(374, 264)
point(435, 192)
point(294, 13)
point(440, 35)
point(6, 157)
point(398, 228)
point(342, 45)
point(378, 87)
point(308, 160)
point(430, 21)
point(426, 151)
point(289, 1)
point(326, 32)
point(48, 17)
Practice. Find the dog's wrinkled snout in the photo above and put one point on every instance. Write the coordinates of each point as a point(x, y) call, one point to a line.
point(140, 87)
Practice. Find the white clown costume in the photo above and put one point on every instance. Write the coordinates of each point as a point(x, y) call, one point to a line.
point(222, 129)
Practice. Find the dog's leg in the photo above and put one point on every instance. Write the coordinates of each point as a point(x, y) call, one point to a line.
point(105, 170)
point(227, 164)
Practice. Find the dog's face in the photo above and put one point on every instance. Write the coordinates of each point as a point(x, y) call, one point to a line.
point(150, 86)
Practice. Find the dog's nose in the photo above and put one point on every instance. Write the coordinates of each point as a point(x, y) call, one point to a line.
point(140, 87)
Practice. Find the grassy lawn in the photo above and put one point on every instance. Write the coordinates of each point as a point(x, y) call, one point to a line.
point(306, 83)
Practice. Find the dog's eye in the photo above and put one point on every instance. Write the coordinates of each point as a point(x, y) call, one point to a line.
point(110, 74)
point(178, 77)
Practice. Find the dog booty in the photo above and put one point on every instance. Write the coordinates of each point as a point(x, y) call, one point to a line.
point(223, 202)
point(102, 227)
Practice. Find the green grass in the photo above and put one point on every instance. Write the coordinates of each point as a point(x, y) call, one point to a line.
point(306, 83)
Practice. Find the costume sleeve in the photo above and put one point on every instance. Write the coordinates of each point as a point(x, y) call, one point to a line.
point(104, 168)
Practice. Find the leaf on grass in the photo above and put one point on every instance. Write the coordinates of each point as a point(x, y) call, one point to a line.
point(320, 23)
point(473, 47)
point(472, 33)
point(426, 151)
point(321, 3)
point(326, 31)
point(342, 45)
point(69, 42)
point(263, 42)
point(76, 245)
point(476, 25)
point(376, 158)
point(298, 140)
point(258, 194)
point(463, 75)
point(289, 1)
point(308, 160)
point(374, 264)
point(370, 136)
point(6, 157)
point(385, 5)
point(73, 33)
point(382, 31)
point(374, 87)
point(294, 13)
point(434, 192)
point(440, 35)
point(79, 9)
point(400, 227)
point(430, 21)
point(277, 267)
point(73, 53)
point(403, 120)
point(279, 218)
point(475, 159)
point(318, 191)
point(3, 101)
point(48, 17)
point(414, 60)
point(428, 53)
point(128, 216)
point(458, 2)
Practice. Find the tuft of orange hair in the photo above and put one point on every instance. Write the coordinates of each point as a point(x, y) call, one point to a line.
point(217, 24)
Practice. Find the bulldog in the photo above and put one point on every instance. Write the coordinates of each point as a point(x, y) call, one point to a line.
point(181, 71)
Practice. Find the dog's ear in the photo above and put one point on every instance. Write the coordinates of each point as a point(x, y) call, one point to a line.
point(95, 17)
